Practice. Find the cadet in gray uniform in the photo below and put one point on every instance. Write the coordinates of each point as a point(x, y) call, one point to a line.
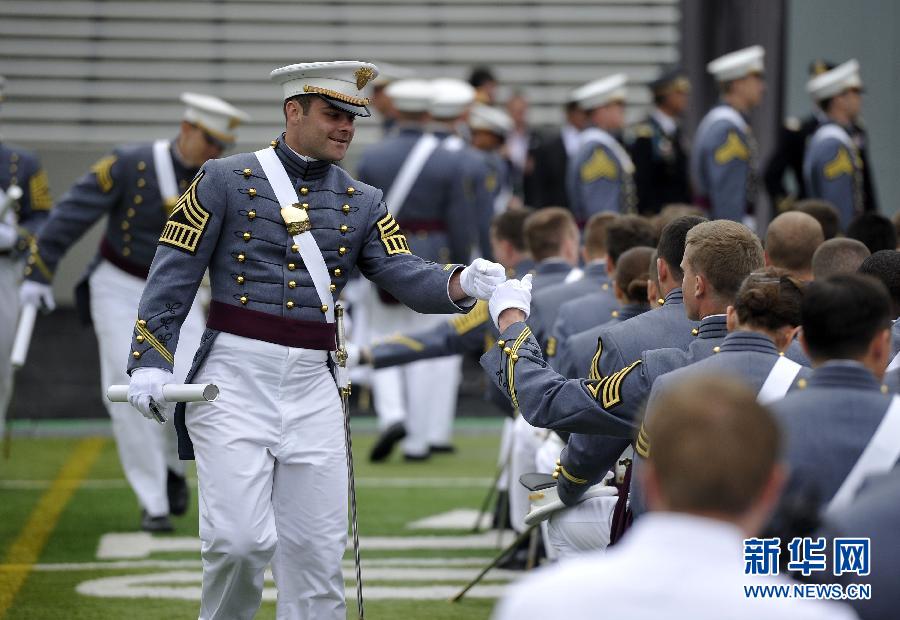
point(833, 165)
point(604, 349)
point(270, 450)
point(489, 128)
point(718, 256)
point(723, 162)
point(594, 279)
point(600, 176)
point(20, 221)
point(589, 311)
point(136, 187)
point(831, 422)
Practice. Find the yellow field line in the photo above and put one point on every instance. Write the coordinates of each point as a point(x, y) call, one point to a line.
point(27, 547)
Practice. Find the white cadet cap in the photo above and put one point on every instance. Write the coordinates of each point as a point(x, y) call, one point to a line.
point(410, 95)
point(340, 82)
point(737, 64)
point(485, 118)
point(600, 92)
point(216, 117)
point(451, 98)
point(835, 81)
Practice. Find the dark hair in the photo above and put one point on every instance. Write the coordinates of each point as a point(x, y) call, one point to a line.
point(769, 299)
point(838, 255)
point(826, 214)
point(595, 233)
point(842, 314)
point(885, 265)
point(626, 232)
point(547, 229)
point(792, 239)
point(481, 75)
point(305, 102)
point(510, 226)
point(875, 230)
point(671, 242)
point(713, 447)
point(633, 271)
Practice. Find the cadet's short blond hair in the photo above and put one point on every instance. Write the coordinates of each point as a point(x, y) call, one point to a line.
point(725, 253)
point(712, 446)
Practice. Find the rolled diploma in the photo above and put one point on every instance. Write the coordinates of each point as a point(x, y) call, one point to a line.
point(23, 336)
point(172, 392)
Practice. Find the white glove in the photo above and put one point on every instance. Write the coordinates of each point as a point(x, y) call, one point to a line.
point(8, 236)
point(511, 294)
point(479, 279)
point(145, 392)
point(37, 295)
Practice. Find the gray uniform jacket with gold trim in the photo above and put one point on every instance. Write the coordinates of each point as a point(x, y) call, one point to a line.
point(833, 171)
point(746, 355)
point(581, 347)
point(597, 181)
point(229, 220)
point(608, 406)
point(124, 187)
point(545, 304)
point(603, 350)
point(827, 425)
point(723, 169)
point(580, 315)
point(435, 213)
point(23, 168)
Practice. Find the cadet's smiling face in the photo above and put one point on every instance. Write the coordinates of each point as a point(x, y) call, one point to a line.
point(325, 132)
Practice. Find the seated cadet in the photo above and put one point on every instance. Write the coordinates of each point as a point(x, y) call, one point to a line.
point(840, 255)
point(631, 283)
point(551, 237)
point(885, 266)
point(875, 231)
point(594, 278)
point(844, 410)
point(791, 240)
point(604, 349)
point(577, 315)
point(600, 176)
point(711, 484)
point(718, 256)
point(833, 164)
point(874, 515)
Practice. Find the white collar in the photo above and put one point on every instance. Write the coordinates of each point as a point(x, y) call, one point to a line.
point(305, 158)
point(666, 122)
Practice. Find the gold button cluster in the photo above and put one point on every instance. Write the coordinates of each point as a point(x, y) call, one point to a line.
point(332, 287)
point(273, 143)
point(295, 248)
point(141, 182)
point(304, 191)
point(346, 208)
point(142, 323)
point(136, 355)
point(138, 200)
point(695, 331)
point(142, 165)
point(139, 339)
point(324, 308)
point(338, 272)
point(501, 343)
point(291, 266)
point(344, 229)
point(240, 279)
point(241, 258)
point(351, 191)
point(292, 284)
point(342, 250)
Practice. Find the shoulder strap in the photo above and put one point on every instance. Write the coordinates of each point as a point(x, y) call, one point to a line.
point(779, 381)
point(719, 113)
point(309, 249)
point(409, 172)
point(879, 455)
point(598, 135)
point(833, 131)
point(165, 171)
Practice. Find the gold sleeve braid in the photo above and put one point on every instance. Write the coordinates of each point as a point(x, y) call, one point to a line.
point(103, 171)
point(608, 391)
point(594, 371)
point(642, 445)
point(476, 317)
point(407, 342)
point(511, 359)
point(144, 335)
point(39, 191)
point(841, 164)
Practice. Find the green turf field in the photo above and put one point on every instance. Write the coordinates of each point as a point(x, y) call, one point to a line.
point(71, 549)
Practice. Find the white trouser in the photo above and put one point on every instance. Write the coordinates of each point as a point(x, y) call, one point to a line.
point(272, 481)
point(9, 315)
point(526, 440)
point(583, 527)
point(503, 456)
point(545, 463)
point(146, 449)
point(422, 394)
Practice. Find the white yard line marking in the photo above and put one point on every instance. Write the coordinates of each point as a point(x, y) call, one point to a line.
point(459, 519)
point(182, 585)
point(473, 562)
point(372, 482)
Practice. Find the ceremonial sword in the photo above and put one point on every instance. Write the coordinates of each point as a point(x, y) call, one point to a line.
point(344, 390)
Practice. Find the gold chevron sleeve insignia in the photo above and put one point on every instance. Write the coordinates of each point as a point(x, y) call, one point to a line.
point(393, 240)
point(39, 191)
point(608, 391)
point(594, 371)
point(103, 171)
point(642, 445)
point(732, 148)
point(599, 166)
point(476, 317)
point(185, 226)
point(841, 164)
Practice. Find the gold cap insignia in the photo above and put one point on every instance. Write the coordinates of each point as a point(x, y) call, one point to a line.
point(363, 76)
